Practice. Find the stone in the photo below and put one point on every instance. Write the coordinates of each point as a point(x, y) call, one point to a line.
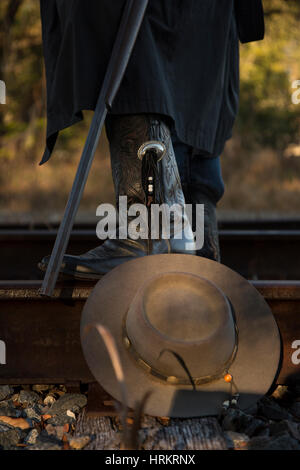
point(71, 414)
point(237, 421)
point(295, 409)
point(61, 419)
point(279, 427)
point(44, 410)
point(294, 430)
point(57, 431)
point(9, 437)
point(39, 408)
point(232, 418)
point(252, 410)
point(259, 443)
point(31, 437)
point(69, 401)
point(33, 413)
point(40, 388)
point(28, 398)
point(163, 421)
point(236, 441)
point(272, 410)
point(265, 432)
point(283, 427)
point(5, 392)
point(282, 442)
point(15, 398)
point(45, 446)
point(78, 443)
point(283, 396)
point(49, 400)
point(7, 408)
point(20, 423)
point(280, 392)
point(251, 428)
point(5, 426)
point(44, 441)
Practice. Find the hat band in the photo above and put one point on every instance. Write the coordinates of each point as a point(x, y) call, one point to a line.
point(171, 379)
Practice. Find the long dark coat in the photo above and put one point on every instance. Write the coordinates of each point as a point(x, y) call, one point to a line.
point(185, 63)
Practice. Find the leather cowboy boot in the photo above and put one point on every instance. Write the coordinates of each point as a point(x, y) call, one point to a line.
point(202, 183)
point(144, 169)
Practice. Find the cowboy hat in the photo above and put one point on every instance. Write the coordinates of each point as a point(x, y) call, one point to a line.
point(189, 329)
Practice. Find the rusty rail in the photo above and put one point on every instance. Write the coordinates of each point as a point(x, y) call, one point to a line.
point(41, 335)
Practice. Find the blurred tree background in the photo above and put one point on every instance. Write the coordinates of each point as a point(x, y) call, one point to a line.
point(261, 163)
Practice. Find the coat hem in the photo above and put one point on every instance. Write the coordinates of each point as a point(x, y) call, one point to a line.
point(200, 141)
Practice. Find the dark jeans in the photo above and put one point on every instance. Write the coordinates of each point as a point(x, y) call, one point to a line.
point(198, 172)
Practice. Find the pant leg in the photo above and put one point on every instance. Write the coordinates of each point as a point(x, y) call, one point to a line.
point(198, 172)
point(206, 174)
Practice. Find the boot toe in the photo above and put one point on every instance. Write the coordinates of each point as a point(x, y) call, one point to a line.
point(68, 266)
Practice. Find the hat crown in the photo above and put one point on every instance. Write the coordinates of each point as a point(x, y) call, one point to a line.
point(186, 314)
point(175, 307)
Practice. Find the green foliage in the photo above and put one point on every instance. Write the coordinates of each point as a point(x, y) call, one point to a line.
point(267, 115)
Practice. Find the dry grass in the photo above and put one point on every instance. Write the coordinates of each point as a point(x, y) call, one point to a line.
point(258, 180)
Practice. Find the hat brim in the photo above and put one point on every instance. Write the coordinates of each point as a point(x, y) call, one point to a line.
point(255, 364)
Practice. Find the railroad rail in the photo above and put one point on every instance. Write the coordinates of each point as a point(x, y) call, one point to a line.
point(39, 336)
point(255, 251)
